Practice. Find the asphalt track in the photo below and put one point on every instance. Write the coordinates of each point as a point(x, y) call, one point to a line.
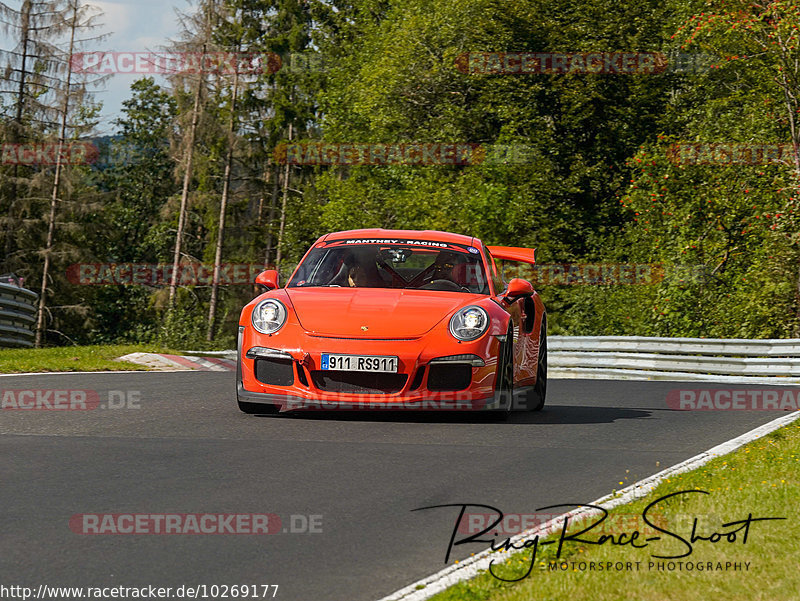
point(187, 449)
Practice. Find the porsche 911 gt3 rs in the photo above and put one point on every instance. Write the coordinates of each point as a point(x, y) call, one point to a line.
point(394, 319)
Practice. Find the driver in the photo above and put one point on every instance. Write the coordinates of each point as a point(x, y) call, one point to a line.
point(363, 272)
point(443, 267)
point(357, 277)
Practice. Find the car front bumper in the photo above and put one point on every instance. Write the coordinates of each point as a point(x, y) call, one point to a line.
point(419, 368)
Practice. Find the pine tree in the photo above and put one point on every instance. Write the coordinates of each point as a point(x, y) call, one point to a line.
point(29, 77)
point(197, 34)
point(71, 98)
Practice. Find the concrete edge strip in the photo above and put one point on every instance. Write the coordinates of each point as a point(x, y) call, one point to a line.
point(191, 363)
point(225, 364)
point(205, 364)
point(85, 373)
point(231, 354)
point(157, 362)
point(471, 567)
point(194, 363)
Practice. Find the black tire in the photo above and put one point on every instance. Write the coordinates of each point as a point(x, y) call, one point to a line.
point(504, 389)
point(540, 389)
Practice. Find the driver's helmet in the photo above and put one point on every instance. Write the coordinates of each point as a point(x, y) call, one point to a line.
point(357, 277)
point(362, 269)
point(444, 264)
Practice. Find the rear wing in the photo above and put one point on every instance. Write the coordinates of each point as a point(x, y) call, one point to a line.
point(513, 253)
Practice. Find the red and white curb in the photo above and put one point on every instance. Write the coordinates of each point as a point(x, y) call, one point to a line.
point(164, 362)
point(473, 566)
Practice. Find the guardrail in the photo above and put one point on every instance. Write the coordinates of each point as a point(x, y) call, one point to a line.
point(650, 358)
point(17, 316)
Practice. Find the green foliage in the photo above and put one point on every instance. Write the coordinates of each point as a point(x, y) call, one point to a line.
point(599, 181)
point(737, 222)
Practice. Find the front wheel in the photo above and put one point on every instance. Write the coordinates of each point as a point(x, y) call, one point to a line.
point(504, 387)
point(540, 388)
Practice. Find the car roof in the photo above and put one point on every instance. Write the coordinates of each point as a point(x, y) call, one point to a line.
point(432, 235)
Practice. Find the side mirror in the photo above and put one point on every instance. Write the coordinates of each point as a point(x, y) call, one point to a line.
point(268, 279)
point(517, 288)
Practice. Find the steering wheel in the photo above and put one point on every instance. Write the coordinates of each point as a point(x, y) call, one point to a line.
point(421, 276)
point(442, 285)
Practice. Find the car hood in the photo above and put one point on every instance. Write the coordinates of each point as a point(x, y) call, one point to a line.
point(385, 313)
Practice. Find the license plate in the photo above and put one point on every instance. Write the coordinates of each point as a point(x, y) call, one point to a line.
point(359, 363)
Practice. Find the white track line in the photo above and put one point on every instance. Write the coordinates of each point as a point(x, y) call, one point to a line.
point(471, 567)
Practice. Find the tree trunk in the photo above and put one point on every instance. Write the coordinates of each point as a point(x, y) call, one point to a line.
point(279, 252)
point(51, 223)
point(223, 205)
point(187, 178)
point(272, 203)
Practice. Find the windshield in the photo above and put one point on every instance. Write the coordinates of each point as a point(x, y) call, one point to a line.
point(341, 264)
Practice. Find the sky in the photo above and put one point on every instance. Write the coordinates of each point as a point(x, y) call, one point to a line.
point(132, 25)
point(135, 26)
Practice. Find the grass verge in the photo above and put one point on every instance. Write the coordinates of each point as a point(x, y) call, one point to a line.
point(73, 358)
point(761, 478)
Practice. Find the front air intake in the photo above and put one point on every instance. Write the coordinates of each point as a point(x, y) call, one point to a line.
point(275, 372)
point(449, 376)
point(357, 382)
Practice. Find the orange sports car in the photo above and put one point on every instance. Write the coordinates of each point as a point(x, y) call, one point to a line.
point(394, 319)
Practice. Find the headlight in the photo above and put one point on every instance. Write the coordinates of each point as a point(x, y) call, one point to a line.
point(268, 316)
point(469, 323)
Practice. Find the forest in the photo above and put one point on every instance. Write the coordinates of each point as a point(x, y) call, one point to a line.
point(648, 151)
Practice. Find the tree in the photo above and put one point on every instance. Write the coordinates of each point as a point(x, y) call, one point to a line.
point(197, 35)
point(395, 78)
point(231, 36)
point(725, 229)
point(761, 43)
point(134, 181)
point(286, 101)
point(51, 105)
point(30, 74)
